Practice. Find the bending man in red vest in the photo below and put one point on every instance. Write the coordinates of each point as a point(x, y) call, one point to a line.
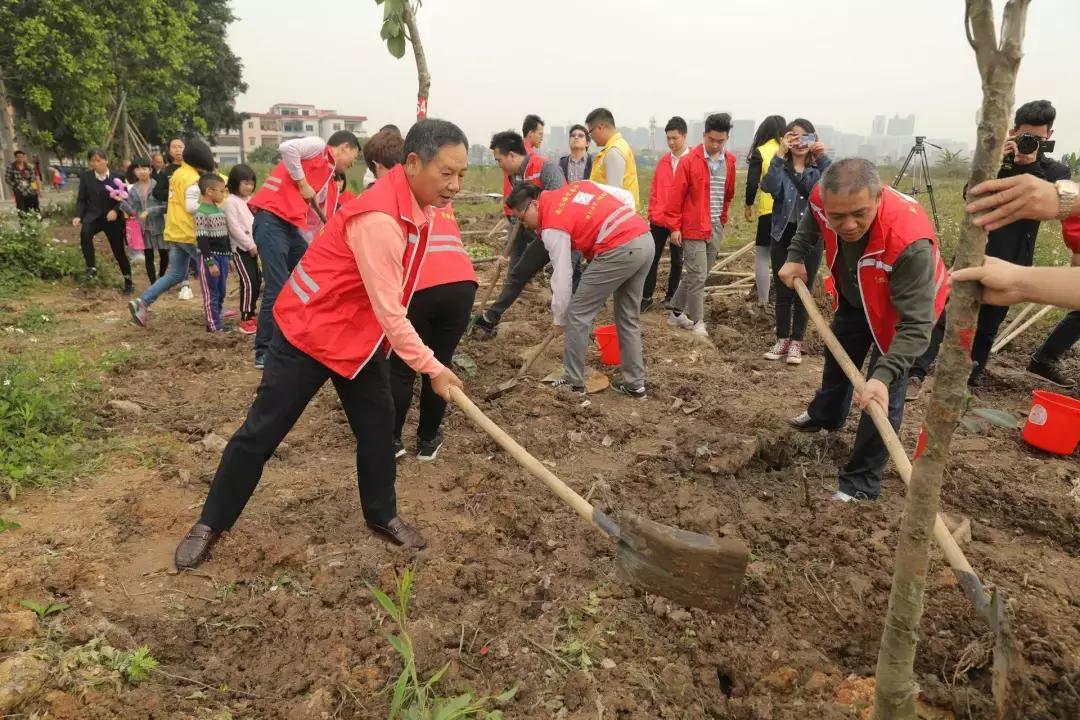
point(281, 208)
point(891, 286)
point(599, 222)
point(527, 257)
point(341, 311)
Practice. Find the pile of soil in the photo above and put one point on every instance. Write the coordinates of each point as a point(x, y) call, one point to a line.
point(514, 589)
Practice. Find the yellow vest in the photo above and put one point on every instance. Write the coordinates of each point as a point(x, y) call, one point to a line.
point(599, 172)
point(179, 223)
point(764, 199)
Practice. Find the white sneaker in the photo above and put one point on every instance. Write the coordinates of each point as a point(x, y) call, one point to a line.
point(680, 321)
point(839, 496)
point(185, 292)
point(700, 330)
point(779, 350)
point(794, 353)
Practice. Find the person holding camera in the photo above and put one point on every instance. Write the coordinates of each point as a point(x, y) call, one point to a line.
point(1025, 154)
point(792, 174)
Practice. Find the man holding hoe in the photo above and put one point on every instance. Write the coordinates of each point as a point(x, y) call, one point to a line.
point(891, 286)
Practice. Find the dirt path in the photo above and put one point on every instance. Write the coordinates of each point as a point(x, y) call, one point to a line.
point(513, 588)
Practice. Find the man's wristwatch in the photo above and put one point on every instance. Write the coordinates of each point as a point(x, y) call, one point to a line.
point(1068, 192)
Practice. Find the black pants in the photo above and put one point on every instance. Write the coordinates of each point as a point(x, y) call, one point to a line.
point(148, 258)
point(250, 276)
point(1061, 338)
point(440, 315)
point(114, 232)
point(790, 313)
point(27, 203)
point(660, 237)
point(289, 382)
point(532, 259)
point(861, 477)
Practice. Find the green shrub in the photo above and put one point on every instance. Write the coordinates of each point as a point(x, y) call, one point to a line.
point(26, 255)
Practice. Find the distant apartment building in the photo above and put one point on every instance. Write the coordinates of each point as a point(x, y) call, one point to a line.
point(901, 126)
point(878, 129)
point(283, 122)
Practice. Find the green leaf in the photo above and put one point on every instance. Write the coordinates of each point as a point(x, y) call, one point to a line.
point(6, 525)
point(400, 645)
point(437, 676)
point(1000, 418)
point(384, 600)
point(400, 686)
point(396, 46)
point(453, 707)
point(506, 696)
point(54, 608)
point(971, 424)
point(38, 608)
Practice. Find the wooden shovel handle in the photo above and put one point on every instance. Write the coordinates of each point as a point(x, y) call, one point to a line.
point(952, 551)
point(531, 360)
point(498, 268)
point(536, 468)
point(318, 210)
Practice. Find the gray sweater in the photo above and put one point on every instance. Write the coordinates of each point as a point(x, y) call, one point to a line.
point(911, 287)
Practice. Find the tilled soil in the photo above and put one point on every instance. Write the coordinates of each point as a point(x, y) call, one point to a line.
point(514, 589)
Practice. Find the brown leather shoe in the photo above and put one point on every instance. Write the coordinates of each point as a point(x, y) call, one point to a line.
point(400, 533)
point(195, 547)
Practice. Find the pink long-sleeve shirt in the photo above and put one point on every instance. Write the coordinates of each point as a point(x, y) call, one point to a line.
point(377, 243)
point(239, 218)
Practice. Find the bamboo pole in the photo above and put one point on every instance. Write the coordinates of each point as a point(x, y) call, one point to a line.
point(1015, 322)
point(1000, 344)
point(733, 257)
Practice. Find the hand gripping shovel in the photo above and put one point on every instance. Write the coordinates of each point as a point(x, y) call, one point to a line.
point(318, 210)
point(990, 608)
point(507, 385)
point(495, 277)
point(685, 567)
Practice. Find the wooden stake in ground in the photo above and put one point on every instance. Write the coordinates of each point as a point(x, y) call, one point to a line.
point(998, 64)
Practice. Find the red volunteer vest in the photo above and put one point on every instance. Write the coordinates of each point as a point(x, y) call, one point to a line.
point(279, 194)
point(596, 220)
point(533, 166)
point(900, 221)
point(446, 261)
point(324, 309)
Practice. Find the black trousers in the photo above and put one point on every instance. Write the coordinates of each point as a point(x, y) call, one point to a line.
point(27, 203)
point(532, 259)
point(1061, 338)
point(114, 232)
point(861, 477)
point(250, 276)
point(148, 259)
point(290, 380)
point(440, 315)
point(790, 313)
point(660, 237)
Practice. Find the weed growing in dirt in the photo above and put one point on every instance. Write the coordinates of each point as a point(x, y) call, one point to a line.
point(44, 610)
point(25, 255)
point(583, 633)
point(6, 525)
point(96, 663)
point(416, 700)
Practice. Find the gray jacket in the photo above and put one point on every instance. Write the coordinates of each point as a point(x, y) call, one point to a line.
point(791, 191)
point(154, 225)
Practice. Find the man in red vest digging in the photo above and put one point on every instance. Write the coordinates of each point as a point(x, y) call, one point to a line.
point(890, 287)
point(281, 206)
point(340, 313)
point(599, 222)
point(527, 257)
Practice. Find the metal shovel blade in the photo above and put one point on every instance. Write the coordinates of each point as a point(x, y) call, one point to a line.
point(685, 567)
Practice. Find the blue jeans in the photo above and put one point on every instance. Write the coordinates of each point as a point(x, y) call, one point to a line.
point(179, 256)
point(280, 247)
point(213, 289)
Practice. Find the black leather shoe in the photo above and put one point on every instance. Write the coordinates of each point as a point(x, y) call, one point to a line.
point(195, 547)
point(400, 532)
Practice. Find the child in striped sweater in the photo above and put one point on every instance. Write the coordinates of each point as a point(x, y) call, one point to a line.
point(212, 238)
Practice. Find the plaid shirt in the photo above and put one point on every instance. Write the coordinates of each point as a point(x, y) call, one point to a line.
point(21, 179)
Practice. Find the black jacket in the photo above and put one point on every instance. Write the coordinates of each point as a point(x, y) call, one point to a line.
point(94, 202)
point(161, 190)
point(564, 164)
point(1016, 242)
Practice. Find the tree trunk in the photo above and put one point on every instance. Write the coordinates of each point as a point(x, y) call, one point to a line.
point(422, 75)
point(998, 65)
point(7, 124)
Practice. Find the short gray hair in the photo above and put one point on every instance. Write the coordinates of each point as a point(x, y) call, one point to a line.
point(427, 137)
point(851, 175)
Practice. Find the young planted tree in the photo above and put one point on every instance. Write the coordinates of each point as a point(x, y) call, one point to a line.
point(399, 26)
point(998, 62)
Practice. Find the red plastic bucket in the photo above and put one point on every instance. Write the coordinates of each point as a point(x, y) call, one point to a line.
point(608, 342)
point(1053, 423)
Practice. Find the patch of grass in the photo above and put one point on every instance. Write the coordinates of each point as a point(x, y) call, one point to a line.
point(414, 698)
point(26, 256)
point(32, 319)
point(42, 417)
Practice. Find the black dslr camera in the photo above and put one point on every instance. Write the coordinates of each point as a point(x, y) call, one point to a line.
point(1028, 144)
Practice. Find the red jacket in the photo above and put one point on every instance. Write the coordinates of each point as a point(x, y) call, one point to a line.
point(1070, 230)
point(533, 165)
point(324, 309)
point(900, 221)
point(279, 194)
point(688, 200)
point(663, 179)
point(595, 220)
point(446, 261)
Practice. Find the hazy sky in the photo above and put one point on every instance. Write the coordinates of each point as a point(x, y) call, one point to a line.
point(837, 62)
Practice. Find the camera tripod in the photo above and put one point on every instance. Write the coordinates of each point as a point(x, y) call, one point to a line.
point(919, 149)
